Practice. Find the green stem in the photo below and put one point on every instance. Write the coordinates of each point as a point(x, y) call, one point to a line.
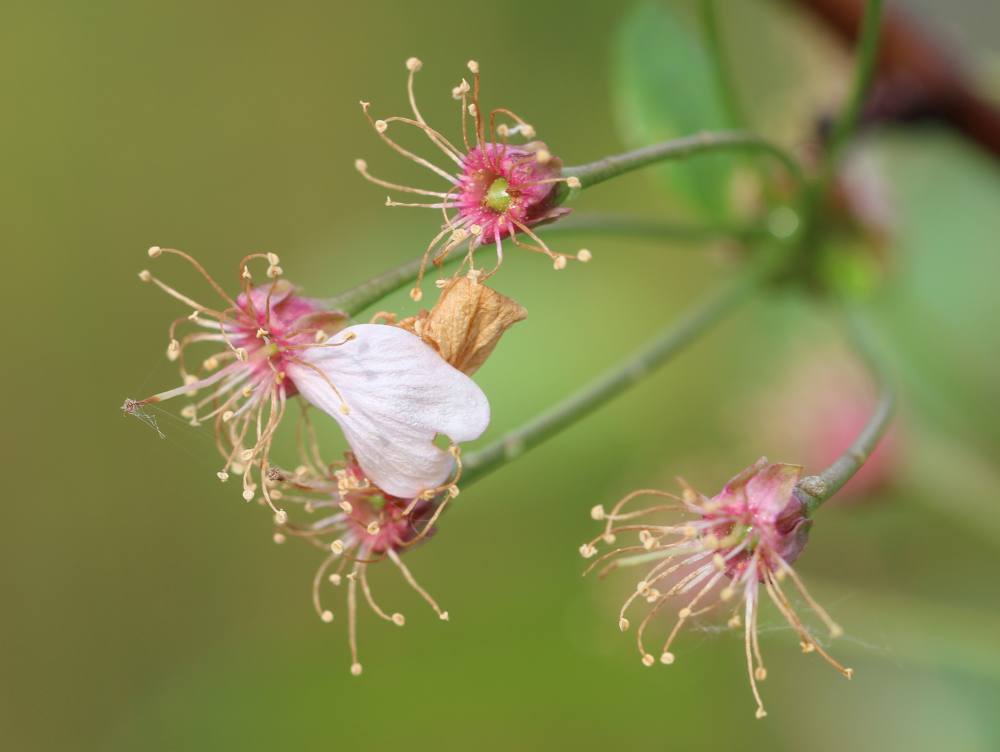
point(619, 378)
point(610, 167)
point(720, 64)
point(868, 45)
point(814, 490)
point(359, 298)
point(843, 128)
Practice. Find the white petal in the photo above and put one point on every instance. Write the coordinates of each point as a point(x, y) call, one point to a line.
point(399, 395)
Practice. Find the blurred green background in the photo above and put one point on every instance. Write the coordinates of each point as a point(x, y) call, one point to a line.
point(146, 608)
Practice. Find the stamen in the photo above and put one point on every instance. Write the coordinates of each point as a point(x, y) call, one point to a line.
point(411, 581)
point(381, 126)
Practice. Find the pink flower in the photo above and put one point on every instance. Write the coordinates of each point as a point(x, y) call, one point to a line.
point(818, 407)
point(742, 540)
point(391, 393)
point(497, 191)
point(359, 525)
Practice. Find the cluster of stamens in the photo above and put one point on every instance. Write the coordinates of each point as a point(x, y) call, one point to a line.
point(499, 191)
point(256, 336)
point(719, 557)
point(357, 525)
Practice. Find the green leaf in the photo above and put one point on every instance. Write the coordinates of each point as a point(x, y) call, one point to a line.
point(665, 88)
point(940, 310)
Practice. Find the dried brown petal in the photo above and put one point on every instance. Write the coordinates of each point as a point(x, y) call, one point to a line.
point(466, 323)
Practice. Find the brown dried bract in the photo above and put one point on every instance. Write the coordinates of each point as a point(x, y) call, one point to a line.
point(466, 323)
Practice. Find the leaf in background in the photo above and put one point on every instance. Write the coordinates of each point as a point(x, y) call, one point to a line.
point(665, 88)
point(940, 312)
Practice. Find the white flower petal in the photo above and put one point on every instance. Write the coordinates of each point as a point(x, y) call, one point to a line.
point(399, 394)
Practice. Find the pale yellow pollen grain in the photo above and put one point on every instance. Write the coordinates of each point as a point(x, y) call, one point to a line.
point(346, 506)
point(272, 259)
point(248, 494)
point(372, 528)
point(278, 538)
point(227, 416)
point(597, 512)
point(326, 616)
point(559, 262)
point(398, 619)
point(587, 551)
point(760, 673)
point(543, 156)
point(145, 276)
point(337, 546)
point(573, 182)
point(281, 517)
point(413, 64)
point(416, 294)
point(761, 713)
point(274, 271)
point(335, 579)
point(667, 658)
point(473, 66)
point(247, 455)
point(583, 255)
point(727, 593)
point(355, 669)
point(381, 126)
point(648, 660)
point(154, 251)
point(222, 475)
point(836, 631)
point(528, 131)
point(623, 624)
point(444, 616)
point(360, 165)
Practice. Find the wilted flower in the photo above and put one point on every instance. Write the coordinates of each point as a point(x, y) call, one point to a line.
point(498, 189)
point(466, 323)
point(391, 394)
point(358, 525)
point(743, 539)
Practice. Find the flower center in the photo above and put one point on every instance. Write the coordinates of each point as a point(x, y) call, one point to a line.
point(497, 197)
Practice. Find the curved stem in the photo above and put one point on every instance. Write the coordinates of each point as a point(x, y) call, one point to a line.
point(368, 293)
point(620, 377)
point(814, 490)
point(619, 164)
